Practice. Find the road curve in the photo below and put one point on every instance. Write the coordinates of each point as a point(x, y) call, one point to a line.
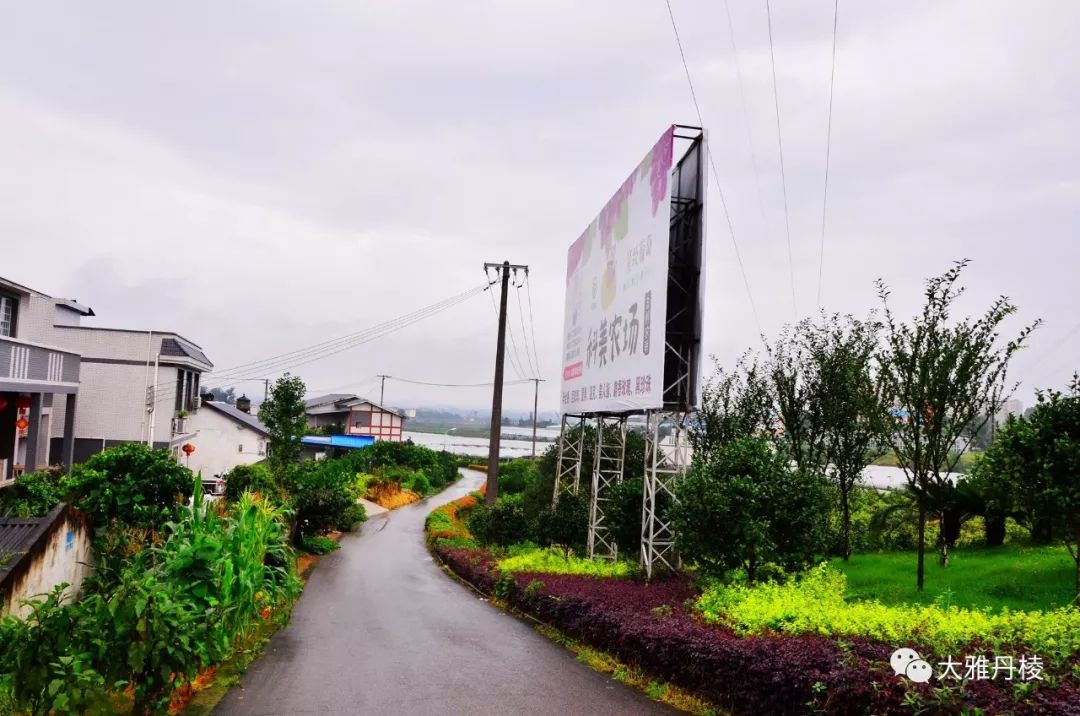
point(381, 630)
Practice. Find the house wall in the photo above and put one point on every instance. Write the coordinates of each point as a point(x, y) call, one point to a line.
point(65, 556)
point(222, 443)
point(380, 424)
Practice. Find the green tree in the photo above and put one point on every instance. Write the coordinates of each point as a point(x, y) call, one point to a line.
point(851, 418)
point(744, 507)
point(284, 416)
point(940, 375)
point(734, 404)
point(1039, 456)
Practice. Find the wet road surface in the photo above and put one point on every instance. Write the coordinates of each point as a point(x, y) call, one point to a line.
point(381, 630)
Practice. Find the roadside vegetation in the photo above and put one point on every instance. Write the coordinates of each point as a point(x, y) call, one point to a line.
point(799, 581)
point(183, 585)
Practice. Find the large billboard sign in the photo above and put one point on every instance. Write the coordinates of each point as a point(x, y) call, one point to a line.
point(616, 296)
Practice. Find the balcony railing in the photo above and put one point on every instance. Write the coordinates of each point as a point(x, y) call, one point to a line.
point(35, 364)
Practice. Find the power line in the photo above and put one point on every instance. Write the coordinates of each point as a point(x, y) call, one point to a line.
point(525, 334)
point(532, 321)
point(828, 151)
point(780, 146)
point(745, 113)
point(457, 385)
point(334, 342)
point(310, 354)
point(512, 355)
point(716, 175)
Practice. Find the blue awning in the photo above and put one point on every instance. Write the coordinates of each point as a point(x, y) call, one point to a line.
point(338, 441)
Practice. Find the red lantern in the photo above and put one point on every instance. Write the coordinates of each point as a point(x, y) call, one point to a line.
point(22, 402)
point(3, 402)
point(188, 448)
point(22, 423)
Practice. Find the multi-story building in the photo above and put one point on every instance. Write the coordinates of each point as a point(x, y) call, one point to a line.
point(117, 385)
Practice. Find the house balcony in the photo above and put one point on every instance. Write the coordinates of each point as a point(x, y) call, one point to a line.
point(31, 376)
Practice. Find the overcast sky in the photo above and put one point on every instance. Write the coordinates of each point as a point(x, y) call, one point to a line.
point(260, 176)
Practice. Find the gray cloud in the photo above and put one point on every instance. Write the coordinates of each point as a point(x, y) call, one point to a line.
point(261, 176)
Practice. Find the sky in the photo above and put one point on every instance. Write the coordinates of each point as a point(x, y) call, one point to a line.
point(262, 176)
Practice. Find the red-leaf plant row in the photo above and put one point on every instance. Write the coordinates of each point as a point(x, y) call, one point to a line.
point(649, 626)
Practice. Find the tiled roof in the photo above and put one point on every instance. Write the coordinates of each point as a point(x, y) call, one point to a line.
point(18, 536)
point(231, 411)
point(180, 349)
point(328, 398)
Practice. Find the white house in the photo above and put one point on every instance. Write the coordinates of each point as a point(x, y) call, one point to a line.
point(226, 436)
point(116, 385)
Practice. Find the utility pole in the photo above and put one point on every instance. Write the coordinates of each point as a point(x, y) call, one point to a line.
point(266, 389)
point(497, 389)
point(536, 402)
point(382, 389)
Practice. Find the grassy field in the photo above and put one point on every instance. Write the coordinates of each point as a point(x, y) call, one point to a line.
point(1015, 577)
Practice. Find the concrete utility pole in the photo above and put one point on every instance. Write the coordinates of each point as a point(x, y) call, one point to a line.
point(382, 389)
point(536, 402)
point(497, 390)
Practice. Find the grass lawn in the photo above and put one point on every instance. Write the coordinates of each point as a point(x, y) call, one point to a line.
point(1029, 578)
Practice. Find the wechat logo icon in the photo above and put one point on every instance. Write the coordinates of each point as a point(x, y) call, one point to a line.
point(907, 662)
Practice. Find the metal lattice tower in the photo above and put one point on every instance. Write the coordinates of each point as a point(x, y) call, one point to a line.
point(665, 462)
point(571, 451)
point(607, 471)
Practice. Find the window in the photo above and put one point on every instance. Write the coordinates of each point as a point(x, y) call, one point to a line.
point(362, 419)
point(240, 448)
point(9, 308)
point(262, 447)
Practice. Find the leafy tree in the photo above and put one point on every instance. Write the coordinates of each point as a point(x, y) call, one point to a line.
point(744, 507)
point(285, 418)
point(565, 524)
point(851, 413)
point(734, 404)
point(798, 393)
point(940, 375)
point(1039, 455)
point(132, 483)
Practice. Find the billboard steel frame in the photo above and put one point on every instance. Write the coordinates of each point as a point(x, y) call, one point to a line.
point(665, 463)
point(608, 464)
point(571, 452)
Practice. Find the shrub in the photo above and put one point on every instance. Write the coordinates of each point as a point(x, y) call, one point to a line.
point(419, 484)
point(33, 494)
point(501, 524)
point(319, 545)
point(323, 496)
point(814, 604)
point(439, 468)
point(622, 513)
point(557, 562)
point(745, 506)
point(516, 475)
point(566, 524)
point(251, 478)
point(130, 483)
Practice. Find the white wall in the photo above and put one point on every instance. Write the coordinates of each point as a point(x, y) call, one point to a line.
point(218, 441)
point(61, 561)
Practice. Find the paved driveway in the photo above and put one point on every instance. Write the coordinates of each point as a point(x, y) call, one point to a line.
point(381, 630)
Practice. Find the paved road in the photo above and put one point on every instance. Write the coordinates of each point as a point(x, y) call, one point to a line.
point(381, 630)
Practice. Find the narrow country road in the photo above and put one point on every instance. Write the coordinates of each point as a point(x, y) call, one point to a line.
point(381, 630)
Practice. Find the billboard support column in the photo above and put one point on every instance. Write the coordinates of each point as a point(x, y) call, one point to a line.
point(608, 462)
point(571, 452)
point(666, 460)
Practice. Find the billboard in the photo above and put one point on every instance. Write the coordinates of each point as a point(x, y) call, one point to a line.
point(616, 296)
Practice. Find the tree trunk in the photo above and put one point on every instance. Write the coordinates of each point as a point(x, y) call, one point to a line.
point(922, 546)
point(845, 547)
point(995, 530)
point(1076, 556)
point(1041, 532)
